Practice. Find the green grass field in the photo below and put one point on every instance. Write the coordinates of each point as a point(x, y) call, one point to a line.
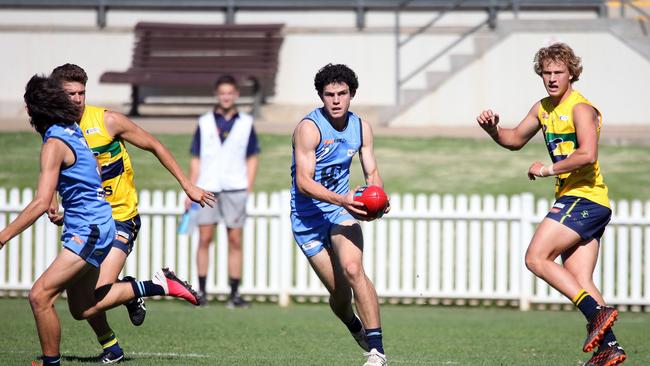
point(175, 333)
point(417, 165)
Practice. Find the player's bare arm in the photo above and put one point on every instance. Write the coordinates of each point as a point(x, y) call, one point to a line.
point(367, 158)
point(251, 167)
point(195, 166)
point(54, 154)
point(586, 121)
point(510, 138)
point(306, 138)
point(119, 125)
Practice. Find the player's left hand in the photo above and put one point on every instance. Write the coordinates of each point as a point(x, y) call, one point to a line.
point(536, 170)
point(200, 196)
point(387, 209)
point(54, 216)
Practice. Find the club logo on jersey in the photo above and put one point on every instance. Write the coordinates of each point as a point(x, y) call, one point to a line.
point(560, 148)
point(584, 214)
point(90, 131)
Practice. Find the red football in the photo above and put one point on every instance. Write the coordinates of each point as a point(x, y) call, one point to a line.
point(374, 198)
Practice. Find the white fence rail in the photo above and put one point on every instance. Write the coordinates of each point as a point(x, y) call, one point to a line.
point(428, 248)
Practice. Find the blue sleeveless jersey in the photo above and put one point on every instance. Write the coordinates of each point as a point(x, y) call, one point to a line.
point(334, 155)
point(79, 185)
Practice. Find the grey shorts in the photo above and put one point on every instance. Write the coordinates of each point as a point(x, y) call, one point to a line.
point(229, 209)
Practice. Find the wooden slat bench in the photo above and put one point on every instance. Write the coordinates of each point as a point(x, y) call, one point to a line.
point(189, 55)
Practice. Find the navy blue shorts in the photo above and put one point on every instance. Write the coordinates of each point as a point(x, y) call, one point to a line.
point(127, 229)
point(581, 215)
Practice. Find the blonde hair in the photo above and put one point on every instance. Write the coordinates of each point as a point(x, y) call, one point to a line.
point(559, 52)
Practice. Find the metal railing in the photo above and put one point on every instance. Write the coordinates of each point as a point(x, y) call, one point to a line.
point(400, 43)
point(360, 7)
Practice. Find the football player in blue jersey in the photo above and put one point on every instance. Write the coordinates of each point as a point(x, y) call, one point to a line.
point(323, 211)
point(68, 166)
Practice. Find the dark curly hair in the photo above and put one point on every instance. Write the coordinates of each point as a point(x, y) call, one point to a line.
point(48, 104)
point(338, 73)
point(558, 52)
point(70, 73)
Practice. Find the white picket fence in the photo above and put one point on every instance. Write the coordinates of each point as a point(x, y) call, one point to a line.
point(429, 248)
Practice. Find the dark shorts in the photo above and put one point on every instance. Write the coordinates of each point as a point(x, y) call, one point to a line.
point(581, 215)
point(128, 230)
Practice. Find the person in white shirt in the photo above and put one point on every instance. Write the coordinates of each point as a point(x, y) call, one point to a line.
point(224, 161)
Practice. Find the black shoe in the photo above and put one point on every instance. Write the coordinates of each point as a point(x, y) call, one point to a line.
point(136, 308)
point(137, 311)
point(236, 301)
point(608, 355)
point(110, 357)
point(602, 320)
point(203, 299)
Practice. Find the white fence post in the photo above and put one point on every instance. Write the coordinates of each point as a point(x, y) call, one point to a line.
point(286, 250)
point(3, 223)
point(526, 229)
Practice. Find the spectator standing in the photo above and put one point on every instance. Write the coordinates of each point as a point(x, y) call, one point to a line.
point(224, 161)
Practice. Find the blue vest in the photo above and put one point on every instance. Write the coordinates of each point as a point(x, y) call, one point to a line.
point(334, 155)
point(79, 185)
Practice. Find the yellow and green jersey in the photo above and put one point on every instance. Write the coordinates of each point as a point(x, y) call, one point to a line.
point(117, 172)
point(561, 141)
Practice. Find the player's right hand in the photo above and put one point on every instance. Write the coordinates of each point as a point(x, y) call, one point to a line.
point(488, 120)
point(200, 196)
point(354, 208)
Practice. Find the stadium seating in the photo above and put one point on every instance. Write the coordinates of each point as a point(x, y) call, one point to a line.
point(188, 55)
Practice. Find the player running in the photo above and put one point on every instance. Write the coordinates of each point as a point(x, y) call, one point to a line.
point(576, 222)
point(322, 204)
point(68, 166)
point(106, 132)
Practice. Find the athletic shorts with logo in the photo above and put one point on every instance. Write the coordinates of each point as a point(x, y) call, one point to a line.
point(229, 209)
point(92, 243)
point(312, 233)
point(581, 215)
point(128, 230)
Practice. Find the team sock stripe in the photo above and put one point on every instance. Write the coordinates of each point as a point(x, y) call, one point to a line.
point(106, 337)
point(109, 343)
point(579, 297)
point(141, 288)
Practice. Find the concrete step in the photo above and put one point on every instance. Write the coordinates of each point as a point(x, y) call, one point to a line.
point(460, 61)
point(435, 78)
point(410, 96)
point(483, 42)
